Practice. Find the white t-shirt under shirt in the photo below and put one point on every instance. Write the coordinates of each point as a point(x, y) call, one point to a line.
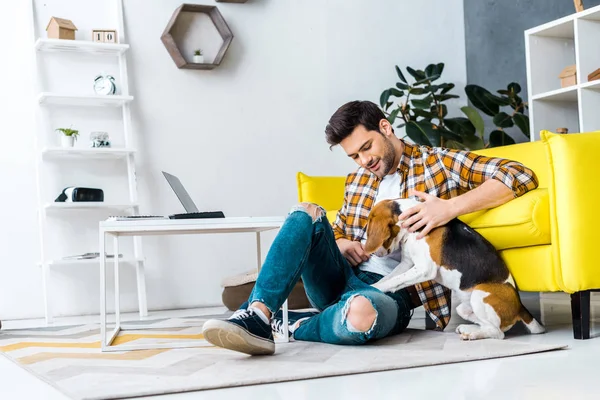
point(389, 188)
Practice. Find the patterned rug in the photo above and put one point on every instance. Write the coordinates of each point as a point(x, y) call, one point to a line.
point(69, 358)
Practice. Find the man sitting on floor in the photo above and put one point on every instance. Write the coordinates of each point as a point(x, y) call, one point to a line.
point(335, 270)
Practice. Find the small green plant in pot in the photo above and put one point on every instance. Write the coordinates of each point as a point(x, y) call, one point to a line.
point(198, 56)
point(68, 136)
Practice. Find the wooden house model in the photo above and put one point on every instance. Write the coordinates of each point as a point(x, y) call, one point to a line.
point(60, 28)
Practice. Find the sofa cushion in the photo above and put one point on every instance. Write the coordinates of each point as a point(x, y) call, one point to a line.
point(524, 221)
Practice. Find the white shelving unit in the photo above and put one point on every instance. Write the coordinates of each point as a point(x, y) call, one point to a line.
point(117, 157)
point(572, 40)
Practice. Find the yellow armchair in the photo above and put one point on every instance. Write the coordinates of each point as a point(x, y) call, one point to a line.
point(547, 236)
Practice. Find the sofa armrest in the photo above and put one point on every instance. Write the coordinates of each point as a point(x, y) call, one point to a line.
point(574, 198)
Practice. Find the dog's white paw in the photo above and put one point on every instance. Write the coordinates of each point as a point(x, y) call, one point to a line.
point(466, 329)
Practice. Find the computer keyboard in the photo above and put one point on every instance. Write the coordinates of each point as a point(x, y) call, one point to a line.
point(133, 217)
point(195, 215)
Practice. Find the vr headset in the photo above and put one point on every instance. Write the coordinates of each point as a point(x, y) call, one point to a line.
point(73, 194)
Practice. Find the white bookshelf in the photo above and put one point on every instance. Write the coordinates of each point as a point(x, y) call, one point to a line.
point(572, 40)
point(62, 222)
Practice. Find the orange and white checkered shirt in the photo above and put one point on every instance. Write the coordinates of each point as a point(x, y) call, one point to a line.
point(441, 172)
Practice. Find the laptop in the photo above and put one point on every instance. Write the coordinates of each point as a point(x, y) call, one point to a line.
point(187, 202)
point(192, 211)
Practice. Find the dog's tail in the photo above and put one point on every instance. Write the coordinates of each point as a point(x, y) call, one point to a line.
point(532, 325)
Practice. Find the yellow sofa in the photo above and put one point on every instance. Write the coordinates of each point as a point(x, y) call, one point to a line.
point(547, 236)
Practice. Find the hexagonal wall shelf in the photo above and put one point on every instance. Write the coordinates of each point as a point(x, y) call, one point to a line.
point(218, 22)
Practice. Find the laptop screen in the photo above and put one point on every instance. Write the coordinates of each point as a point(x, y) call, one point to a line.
point(181, 193)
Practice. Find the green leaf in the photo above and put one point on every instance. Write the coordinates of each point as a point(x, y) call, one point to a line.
point(446, 87)
point(461, 126)
point(448, 134)
point(417, 91)
point(434, 109)
point(418, 75)
point(480, 98)
point(500, 138)
point(423, 114)
point(473, 142)
point(475, 119)
point(402, 125)
point(504, 92)
point(402, 86)
point(453, 144)
point(396, 93)
point(503, 120)
point(388, 104)
point(393, 115)
point(424, 103)
point(501, 101)
point(514, 87)
point(427, 79)
point(522, 121)
point(417, 131)
point(445, 97)
point(430, 70)
point(439, 68)
point(385, 96)
point(400, 75)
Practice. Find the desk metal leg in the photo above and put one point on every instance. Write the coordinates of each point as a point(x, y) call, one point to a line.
point(258, 252)
point(117, 288)
point(102, 250)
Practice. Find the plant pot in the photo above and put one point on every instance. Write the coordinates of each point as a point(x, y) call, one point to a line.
point(199, 59)
point(67, 141)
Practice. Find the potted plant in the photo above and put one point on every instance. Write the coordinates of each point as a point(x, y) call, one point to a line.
point(198, 57)
point(68, 136)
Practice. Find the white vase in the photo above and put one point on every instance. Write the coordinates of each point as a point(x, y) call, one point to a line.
point(67, 141)
point(199, 59)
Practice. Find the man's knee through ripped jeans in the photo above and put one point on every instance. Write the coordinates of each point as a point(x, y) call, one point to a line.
point(315, 211)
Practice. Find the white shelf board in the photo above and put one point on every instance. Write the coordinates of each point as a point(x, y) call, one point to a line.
point(561, 28)
point(80, 46)
point(91, 152)
point(96, 100)
point(88, 205)
point(92, 261)
point(563, 94)
point(592, 85)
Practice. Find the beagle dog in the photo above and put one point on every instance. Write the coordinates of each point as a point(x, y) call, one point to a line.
point(457, 257)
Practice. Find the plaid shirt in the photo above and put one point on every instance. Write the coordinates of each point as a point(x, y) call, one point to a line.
point(441, 172)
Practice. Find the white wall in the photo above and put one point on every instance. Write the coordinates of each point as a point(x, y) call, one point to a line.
point(236, 135)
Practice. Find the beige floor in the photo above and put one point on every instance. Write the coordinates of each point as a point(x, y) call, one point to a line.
point(555, 375)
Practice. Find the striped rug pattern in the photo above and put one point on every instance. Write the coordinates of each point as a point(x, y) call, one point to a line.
point(69, 358)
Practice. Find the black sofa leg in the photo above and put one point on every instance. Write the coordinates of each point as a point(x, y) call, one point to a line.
point(580, 311)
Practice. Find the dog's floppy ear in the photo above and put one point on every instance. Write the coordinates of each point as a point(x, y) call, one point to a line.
point(378, 231)
point(381, 225)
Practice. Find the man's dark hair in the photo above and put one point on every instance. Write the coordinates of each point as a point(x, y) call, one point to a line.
point(349, 116)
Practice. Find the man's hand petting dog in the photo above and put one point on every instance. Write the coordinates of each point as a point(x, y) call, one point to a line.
point(429, 214)
point(353, 251)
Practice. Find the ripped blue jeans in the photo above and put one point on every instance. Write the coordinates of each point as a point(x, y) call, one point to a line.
point(305, 247)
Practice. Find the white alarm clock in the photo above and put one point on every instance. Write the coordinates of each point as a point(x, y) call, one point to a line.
point(105, 84)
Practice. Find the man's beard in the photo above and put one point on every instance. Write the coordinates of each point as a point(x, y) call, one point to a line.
point(387, 162)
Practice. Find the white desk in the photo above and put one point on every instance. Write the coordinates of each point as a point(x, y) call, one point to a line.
point(141, 227)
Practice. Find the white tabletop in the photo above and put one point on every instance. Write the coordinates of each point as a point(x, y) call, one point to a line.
point(200, 225)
